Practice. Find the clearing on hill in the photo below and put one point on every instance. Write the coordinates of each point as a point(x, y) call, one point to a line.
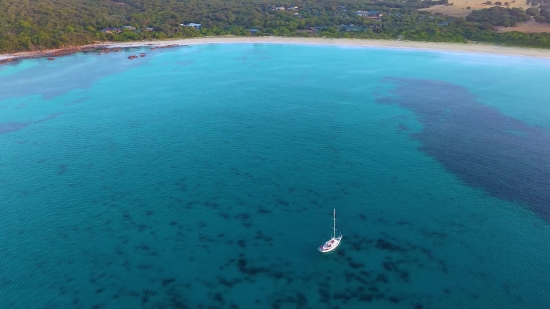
point(461, 8)
point(528, 27)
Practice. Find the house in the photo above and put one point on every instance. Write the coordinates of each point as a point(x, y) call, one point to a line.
point(196, 26)
point(351, 27)
point(149, 29)
point(280, 8)
point(254, 31)
point(317, 28)
point(370, 14)
point(111, 30)
point(128, 28)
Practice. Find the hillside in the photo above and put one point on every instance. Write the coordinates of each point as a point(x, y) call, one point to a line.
point(43, 24)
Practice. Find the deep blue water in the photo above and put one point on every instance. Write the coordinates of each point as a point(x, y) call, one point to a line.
point(205, 177)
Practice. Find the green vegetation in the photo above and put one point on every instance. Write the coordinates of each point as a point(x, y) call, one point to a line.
point(498, 16)
point(541, 13)
point(39, 24)
point(536, 2)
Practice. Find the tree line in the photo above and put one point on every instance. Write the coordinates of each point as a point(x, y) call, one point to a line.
point(41, 24)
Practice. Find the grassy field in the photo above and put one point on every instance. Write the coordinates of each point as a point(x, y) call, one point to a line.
point(529, 26)
point(460, 7)
point(453, 11)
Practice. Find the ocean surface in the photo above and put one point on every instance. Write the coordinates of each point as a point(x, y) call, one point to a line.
point(206, 176)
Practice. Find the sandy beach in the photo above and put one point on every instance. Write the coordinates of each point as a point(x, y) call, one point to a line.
point(411, 45)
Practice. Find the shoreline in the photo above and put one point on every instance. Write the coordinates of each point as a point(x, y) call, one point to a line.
point(49, 53)
point(473, 48)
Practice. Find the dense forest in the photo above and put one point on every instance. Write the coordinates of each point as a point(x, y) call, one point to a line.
point(540, 13)
point(498, 16)
point(40, 24)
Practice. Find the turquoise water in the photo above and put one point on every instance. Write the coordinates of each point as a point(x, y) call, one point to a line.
point(205, 177)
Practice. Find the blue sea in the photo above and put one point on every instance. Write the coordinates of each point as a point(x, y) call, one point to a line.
point(206, 177)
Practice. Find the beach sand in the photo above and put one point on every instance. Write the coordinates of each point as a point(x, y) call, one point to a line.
point(413, 45)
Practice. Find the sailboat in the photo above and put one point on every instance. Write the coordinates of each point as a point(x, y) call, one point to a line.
point(334, 241)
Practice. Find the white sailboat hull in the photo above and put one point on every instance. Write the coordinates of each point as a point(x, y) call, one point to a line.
point(330, 245)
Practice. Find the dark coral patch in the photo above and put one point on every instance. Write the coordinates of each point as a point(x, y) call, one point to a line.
point(386, 245)
point(506, 157)
point(167, 281)
point(381, 278)
point(241, 243)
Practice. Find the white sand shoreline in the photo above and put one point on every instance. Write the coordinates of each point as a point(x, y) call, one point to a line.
point(384, 44)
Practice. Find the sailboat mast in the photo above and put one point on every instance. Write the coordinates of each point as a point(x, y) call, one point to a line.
point(334, 227)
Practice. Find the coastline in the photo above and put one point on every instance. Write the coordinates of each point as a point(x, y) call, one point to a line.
point(50, 53)
point(475, 48)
